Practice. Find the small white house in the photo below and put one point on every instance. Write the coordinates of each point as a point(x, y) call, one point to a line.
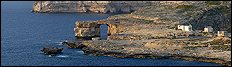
point(229, 34)
point(180, 27)
point(208, 29)
point(185, 27)
point(96, 38)
point(222, 33)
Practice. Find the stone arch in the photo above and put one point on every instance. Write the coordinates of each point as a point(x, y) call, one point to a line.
point(112, 28)
point(97, 27)
point(92, 29)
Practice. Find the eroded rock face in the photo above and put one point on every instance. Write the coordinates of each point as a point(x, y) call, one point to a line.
point(89, 6)
point(92, 29)
point(72, 44)
point(99, 6)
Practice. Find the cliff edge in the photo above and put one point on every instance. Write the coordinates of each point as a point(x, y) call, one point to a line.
point(90, 6)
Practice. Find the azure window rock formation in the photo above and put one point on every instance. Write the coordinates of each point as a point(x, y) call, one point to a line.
point(92, 29)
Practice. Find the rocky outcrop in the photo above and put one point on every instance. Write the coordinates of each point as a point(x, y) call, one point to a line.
point(199, 14)
point(51, 50)
point(96, 52)
point(73, 44)
point(150, 33)
point(89, 6)
point(221, 19)
point(161, 19)
point(92, 29)
point(157, 49)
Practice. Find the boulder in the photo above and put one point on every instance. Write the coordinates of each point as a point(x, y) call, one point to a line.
point(51, 50)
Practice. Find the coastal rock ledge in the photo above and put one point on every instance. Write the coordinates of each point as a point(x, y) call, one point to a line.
point(136, 50)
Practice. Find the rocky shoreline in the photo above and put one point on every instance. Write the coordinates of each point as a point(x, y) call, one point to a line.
point(151, 32)
point(105, 48)
point(139, 38)
point(153, 56)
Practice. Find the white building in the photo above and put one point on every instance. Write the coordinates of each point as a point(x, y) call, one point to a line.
point(229, 35)
point(222, 33)
point(96, 38)
point(208, 29)
point(185, 27)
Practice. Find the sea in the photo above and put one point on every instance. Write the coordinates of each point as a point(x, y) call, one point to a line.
point(24, 34)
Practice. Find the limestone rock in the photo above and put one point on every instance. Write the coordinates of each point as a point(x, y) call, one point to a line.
point(51, 50)
point(89, 6)
point(92, 29)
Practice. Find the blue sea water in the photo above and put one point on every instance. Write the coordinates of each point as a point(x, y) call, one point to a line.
point(103, 32)
point(24, 34)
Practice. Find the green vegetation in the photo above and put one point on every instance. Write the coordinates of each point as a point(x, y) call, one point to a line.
point(220, 42)
point(223, 9)
point(222, 47)
point(147, 21)
point(193, 47)
point(169, 7)
point(205, 33)
point(195, 43)
point(213, 2)
point(172, 27)
point(189, 14)
point(165, 19)
point(93, 24)
point(184, 6)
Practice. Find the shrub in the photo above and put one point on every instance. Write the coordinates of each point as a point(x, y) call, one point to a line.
point(213, 2)
point(224, 9)
point(184, 6)
point(147, 21)
point(222, 47)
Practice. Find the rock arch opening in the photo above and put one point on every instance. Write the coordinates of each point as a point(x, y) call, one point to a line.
point(94, 30)
point(103, 31)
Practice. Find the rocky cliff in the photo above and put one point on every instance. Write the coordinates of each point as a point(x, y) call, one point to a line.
point(166, 15)
point(89, 6)
point(86, 30)
point(100, 6)
point(198, 13)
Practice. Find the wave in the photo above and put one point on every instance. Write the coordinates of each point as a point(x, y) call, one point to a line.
point(49, 55)
point(59, 43)
point(62, 56)
point(80, 52)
